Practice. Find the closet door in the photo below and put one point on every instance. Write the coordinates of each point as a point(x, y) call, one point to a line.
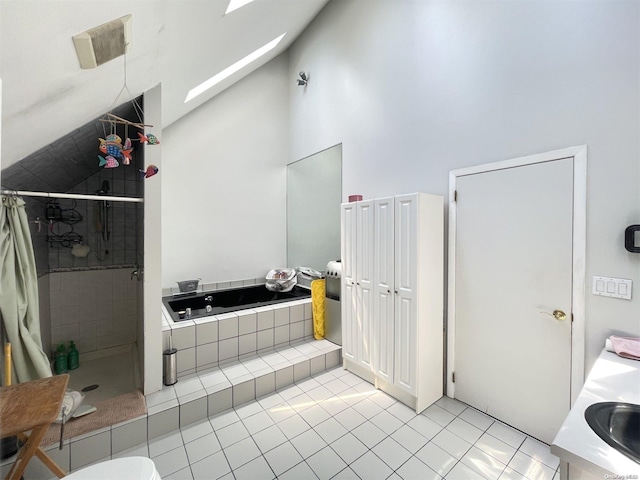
point(406, 261)
point(364, 280)
point(348, 288)
point(383, 312)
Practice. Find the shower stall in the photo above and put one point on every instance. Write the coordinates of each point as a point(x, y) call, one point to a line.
point(89, 254)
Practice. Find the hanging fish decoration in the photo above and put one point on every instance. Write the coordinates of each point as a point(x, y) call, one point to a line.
point(149, 138)
point(112, 146)
point(150, 171)
point(108, 162)
point(126, 152)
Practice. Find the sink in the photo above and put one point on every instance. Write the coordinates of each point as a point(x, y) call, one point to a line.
point(618, 424)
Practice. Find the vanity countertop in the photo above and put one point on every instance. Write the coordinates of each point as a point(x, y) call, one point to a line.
point(612, 379)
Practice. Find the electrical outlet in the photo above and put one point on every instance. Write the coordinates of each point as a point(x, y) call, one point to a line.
point(612, 287)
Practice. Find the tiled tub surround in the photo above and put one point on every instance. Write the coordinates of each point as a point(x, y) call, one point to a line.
point(207, 342)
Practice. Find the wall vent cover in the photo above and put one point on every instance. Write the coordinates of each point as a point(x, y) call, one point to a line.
point(103, 43)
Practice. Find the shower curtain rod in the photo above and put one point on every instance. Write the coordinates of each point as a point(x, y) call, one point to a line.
point(76, 196)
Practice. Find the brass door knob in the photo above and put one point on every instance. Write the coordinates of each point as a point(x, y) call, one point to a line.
point(557, 314)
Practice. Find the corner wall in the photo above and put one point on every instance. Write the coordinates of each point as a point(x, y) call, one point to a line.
point(417, 88)
point(224, 183)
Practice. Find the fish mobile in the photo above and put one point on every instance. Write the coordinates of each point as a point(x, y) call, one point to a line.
point(149, 172)
point(112, 147)
point(149, 139)
point(115, 152)
point(109, 162)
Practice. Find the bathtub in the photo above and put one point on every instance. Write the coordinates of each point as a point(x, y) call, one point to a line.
point(230, 300)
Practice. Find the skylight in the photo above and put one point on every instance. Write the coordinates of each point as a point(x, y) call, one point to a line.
point(236, 4)
point(217, 78)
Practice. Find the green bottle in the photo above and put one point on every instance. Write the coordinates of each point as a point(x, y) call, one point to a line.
point(61, 360)
point(74, 356)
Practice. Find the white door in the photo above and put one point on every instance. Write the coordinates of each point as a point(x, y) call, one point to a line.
point(513, 261)
point(406, 264)
point(383, 311)
point(364, 280)
point(348, 287)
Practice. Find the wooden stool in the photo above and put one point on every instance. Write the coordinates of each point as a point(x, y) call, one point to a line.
point(31, 406)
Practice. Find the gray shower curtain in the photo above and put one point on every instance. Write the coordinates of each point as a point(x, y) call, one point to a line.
point(19, 304)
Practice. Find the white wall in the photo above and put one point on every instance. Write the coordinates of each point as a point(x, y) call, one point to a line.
point(149, 350)
point(224, 183)
point(414, 89)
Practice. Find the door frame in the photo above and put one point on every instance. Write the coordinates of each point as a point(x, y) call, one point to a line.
point(579, 155)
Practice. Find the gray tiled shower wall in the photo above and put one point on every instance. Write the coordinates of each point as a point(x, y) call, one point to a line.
point(124, 245)
point(119, 245)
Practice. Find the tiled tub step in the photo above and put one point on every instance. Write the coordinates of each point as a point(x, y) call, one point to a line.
point(199, 395)
point(193, 398)
point(218, 339)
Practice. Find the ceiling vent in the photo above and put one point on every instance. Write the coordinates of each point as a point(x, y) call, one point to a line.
point(103, 43)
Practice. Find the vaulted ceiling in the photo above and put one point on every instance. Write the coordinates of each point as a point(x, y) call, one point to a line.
point(178, 43)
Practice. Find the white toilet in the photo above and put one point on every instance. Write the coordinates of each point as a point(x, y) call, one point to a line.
point(128, 468)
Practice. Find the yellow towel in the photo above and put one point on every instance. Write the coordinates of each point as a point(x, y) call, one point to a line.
point(317, 304)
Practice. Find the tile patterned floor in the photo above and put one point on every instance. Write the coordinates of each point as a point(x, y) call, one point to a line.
point(337, 426)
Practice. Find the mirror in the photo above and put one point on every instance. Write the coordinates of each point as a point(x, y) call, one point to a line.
point(314, 194)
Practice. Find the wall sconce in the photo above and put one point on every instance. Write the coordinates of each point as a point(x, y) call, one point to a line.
point(302, 81)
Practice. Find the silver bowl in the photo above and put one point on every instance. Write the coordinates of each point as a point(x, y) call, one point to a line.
point(188, 285)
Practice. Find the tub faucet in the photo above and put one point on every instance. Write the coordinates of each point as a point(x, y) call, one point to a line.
point(208, 299)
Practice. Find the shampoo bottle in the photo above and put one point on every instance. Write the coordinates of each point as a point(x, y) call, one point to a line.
point(74, 356)
point(62, 365)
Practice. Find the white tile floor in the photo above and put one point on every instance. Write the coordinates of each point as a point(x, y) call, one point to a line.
point(335, 425)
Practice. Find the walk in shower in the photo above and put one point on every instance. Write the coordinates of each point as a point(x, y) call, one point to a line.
point(89, 254)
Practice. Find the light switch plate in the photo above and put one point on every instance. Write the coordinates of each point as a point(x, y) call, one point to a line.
point(612, 287)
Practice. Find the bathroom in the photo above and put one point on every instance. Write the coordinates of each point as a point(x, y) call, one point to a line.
point(398, 88)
